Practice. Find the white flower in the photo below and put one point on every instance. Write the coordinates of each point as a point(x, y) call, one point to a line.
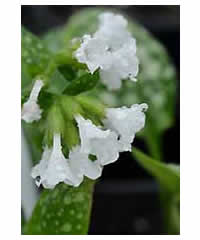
point(89, 53)
point(31, 110)
point(101, 143)
point(81, 166)
point(53, 167)
point(126, 122)
point(124, 65)
point(112, 49)
point(113, 30)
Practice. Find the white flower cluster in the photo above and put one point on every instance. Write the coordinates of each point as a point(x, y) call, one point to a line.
point(31, 110)
point(112, 49)
point(120, 127)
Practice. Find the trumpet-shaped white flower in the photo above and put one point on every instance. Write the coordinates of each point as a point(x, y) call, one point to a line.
point(31, 110)
point(124, 65)
point(101, 143)
point(112, 49)
point(81, 166)
point(89, 53)
point(126, 122)
point(53, 167)
point(113, 30)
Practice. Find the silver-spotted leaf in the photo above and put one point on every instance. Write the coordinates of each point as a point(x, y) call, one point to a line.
point(62, 211)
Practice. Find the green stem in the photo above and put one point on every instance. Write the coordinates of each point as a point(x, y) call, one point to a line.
point(154, 143)
point(170, 213)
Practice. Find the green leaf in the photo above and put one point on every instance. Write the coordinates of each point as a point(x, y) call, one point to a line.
point(57, 83)
point(38, 61)
point(35, 56)
point(83, 22)
point(62, 211)
point(54, 40)
point(167, 175)
point(171, 211)
point(83, 83)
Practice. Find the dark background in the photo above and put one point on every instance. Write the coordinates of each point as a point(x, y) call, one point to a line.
point(126, 198)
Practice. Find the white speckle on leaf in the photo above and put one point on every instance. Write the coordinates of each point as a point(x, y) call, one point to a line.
point(79, 215)
point(43, 210)
point(56, 222)
point(78, 227)
point(28, 60)
point(67, 227)
point(28, 39)
point(44, 223)
point(39, 46)
point(72, 212)
point(55, 193)
point(67, 200)
point(79, 197)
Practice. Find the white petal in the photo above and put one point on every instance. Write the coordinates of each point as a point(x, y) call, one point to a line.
point(101, 143)
point(124, 65)
point(39, 169)
point(75, 159)
point(54, 167)
point(126, 57)
point(89, 131)
point(126, 122)
point(113, 29)
point(81, 165)
point(111, 78)
point(93, 53)
point(106, 150)
point(108, 18)
point(31, 110)
point(93, 169)
point(113, 37)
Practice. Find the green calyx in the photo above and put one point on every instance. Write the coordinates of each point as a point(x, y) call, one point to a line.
point(61, 118)
point(93, 109)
